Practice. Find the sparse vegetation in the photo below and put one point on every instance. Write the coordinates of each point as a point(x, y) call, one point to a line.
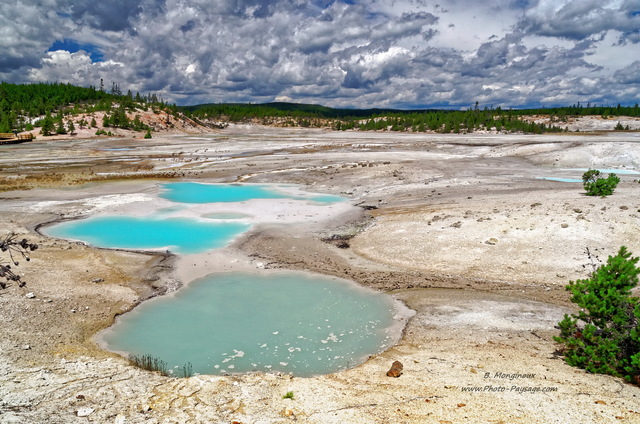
point(604, 336)
point(155, 364)
point(620, 127)
point(288, 395)
point(596, 185)
point(186, 370)
point(149, 363)
point(14, 249)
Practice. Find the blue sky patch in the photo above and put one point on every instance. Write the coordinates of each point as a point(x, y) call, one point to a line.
point(73, 46)
point(324, 4)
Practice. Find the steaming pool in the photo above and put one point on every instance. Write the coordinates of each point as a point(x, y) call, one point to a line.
point(235, 322)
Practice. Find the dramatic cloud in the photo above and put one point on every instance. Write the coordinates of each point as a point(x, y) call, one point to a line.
point(375, 53)
point(578, 20)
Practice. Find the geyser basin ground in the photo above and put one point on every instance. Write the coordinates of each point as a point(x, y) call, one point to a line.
point(42, 384)
point(295, 323)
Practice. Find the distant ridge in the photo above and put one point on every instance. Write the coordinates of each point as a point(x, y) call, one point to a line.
point(319, 111)
point(300, 109)
point(415, 120)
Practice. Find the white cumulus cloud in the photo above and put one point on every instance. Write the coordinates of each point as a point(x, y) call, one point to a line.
point(405, 53)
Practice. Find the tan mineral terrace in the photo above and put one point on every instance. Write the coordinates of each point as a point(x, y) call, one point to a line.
point(460, 228)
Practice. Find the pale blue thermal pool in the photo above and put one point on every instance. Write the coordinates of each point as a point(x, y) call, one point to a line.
point(286, 322)
point(180, 235)
point(578, 178)
point(562, 180)
point(207, 193)
point(235, 322)
point(607, 171)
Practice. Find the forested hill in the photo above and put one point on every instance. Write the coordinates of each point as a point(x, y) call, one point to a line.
point(21, 104)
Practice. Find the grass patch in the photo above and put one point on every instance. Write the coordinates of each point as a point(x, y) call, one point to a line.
point(185, 371)
point(149, 363)
point(155, 364)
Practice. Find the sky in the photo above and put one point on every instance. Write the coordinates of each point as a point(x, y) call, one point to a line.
point(341, 53)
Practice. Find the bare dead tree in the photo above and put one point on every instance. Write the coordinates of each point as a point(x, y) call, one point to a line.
point(15, 249)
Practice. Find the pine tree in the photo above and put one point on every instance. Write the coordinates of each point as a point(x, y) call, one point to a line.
point(596, 185)
point(5, 126)
point(604, 336)
point(60, 129)
point(137, 123)
point(47, 125)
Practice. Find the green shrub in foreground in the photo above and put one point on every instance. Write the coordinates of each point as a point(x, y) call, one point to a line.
point(604, 336)
point(596, 185)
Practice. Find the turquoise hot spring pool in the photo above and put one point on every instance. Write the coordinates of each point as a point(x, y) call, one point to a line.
point(290, 322)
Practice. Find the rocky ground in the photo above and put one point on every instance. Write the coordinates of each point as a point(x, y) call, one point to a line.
point(461, 228)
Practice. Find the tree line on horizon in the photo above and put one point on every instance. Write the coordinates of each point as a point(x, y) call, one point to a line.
point(25, 106)
point(434, 120)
